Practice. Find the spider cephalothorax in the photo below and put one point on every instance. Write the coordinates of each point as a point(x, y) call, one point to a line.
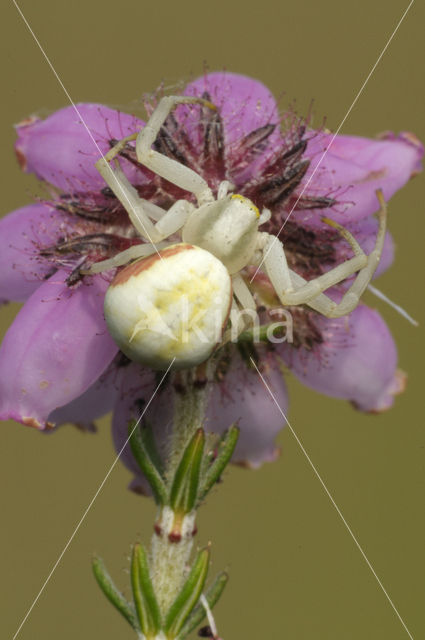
point(222, 226)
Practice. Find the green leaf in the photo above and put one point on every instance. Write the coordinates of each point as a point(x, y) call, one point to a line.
point(114, 596)
point(212, 596)
point(189, 595)
point(225, 451)
point(146, 432)
point(144, 451)
point(145, 601)
point(184, 490)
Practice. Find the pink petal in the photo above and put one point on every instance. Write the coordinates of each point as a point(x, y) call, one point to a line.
point(94, 403)
point(353, 169)
point(357, 361)
point(22, 234)
point(244, 104)
point(243, 398)
point(55, 349)
point(61, 151)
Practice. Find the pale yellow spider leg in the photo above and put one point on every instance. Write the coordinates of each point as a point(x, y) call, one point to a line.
point(119, 146)
point(242, 292)
point(139, 210)
point(121, 187)
point(265, 216)
point(321, 303)
point(223, 189)
point(358, 251)
point(167, 168)
point(276, 265)
point(311, 289)
point(129, 198)
point(351, 298)
point(174, 218)
point(158, 163)
point(245, 315)
point(132, 253)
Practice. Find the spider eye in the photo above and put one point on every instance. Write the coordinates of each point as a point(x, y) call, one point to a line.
point(246, 202)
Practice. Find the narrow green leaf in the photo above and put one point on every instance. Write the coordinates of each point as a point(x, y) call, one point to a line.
point(145, 601)
point(114, 596)
point(226, 448)
point(184, 490)
point(142, 448)
point(198, 614)
point(146, 432)
point(147, 586)
point(189, 595)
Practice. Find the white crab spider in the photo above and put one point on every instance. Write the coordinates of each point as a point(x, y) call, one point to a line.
point(228, 228)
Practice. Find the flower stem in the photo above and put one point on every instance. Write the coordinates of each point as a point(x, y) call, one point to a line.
point(170, 555)
point(173, 538)
point(191, 390)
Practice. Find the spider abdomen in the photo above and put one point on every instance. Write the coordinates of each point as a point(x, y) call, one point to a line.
point(169, 309)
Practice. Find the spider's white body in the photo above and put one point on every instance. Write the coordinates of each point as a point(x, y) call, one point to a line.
point(170, 306)
point(228, 228)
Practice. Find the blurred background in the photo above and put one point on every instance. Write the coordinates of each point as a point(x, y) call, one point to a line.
point(295, 571)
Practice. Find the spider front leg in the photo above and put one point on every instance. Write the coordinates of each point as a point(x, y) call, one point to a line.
point(132, 253)
point(243, 312)
point(138, 209)
point(169, 222)
point(125, 192)
point(160, 164)
point(292, 289)
point(352, 296)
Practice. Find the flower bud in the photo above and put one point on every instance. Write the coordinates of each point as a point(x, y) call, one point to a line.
point(171, 305)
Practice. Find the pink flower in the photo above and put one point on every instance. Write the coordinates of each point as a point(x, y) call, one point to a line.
point(58, 363)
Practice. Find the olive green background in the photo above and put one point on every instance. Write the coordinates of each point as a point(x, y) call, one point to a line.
point(295, 571)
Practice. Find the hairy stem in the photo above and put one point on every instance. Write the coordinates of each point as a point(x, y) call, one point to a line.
point(173, 537)
point(191, 390)
point(170, 555)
